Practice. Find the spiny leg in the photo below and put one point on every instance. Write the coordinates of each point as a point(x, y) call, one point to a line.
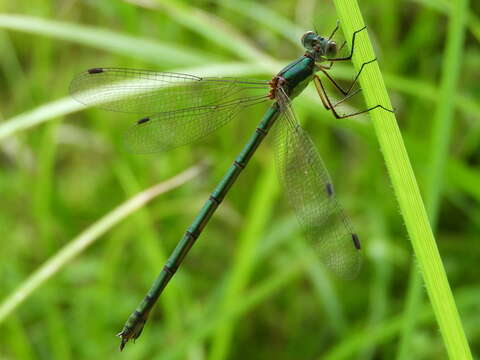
point(351, 51)
point(323, 95)
point(349, 96)
point(334, 30)
point(328, 67)
point(346, 92)
point(325, 103)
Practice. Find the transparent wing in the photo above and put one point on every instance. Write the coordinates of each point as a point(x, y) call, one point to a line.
point(171, 129)
point(185, 107)
point(310, 191)
point(149, 92)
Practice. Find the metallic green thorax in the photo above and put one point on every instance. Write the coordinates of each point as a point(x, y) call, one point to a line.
point(297, 75)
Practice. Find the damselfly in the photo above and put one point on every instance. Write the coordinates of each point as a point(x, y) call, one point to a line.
point(186, 108)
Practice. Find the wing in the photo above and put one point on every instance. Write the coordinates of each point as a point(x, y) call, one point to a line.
point(171, 129)
point(310, 191)
point(150, 92)
point(185, 107)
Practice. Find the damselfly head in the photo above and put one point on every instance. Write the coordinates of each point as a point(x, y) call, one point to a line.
point(309, 39)
point(318, 45)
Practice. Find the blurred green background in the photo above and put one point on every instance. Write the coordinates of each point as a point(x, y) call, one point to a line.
point(251, 288)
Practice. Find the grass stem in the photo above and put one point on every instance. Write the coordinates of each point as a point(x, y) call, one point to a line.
point(405, 186)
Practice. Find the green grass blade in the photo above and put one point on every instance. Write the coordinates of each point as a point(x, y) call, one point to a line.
point(465, 178)
point(268, 18)
point(109, 41)
point(405, 186)
point(249, 301)
point(386, 331)
point(441, 136)
point(260, 209)
point(212, 28)
point(444, 115)
point(87, 238)
point(324, 289)
point(445, 7)
point(18, 340)
point(38, 115)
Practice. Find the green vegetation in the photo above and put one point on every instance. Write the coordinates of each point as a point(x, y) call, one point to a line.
point(76, 256)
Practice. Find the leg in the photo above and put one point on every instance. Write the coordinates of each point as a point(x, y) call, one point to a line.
point(328, 67)
point(330, 38)
point(351, 51)
point(346, 92)
point(334, 30)
point(349, 96)
point(323, 95)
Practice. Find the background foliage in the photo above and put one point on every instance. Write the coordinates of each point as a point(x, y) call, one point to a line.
point(251, 287)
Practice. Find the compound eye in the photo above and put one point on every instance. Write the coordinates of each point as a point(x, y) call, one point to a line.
point(309, 40)
point(331, 49)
